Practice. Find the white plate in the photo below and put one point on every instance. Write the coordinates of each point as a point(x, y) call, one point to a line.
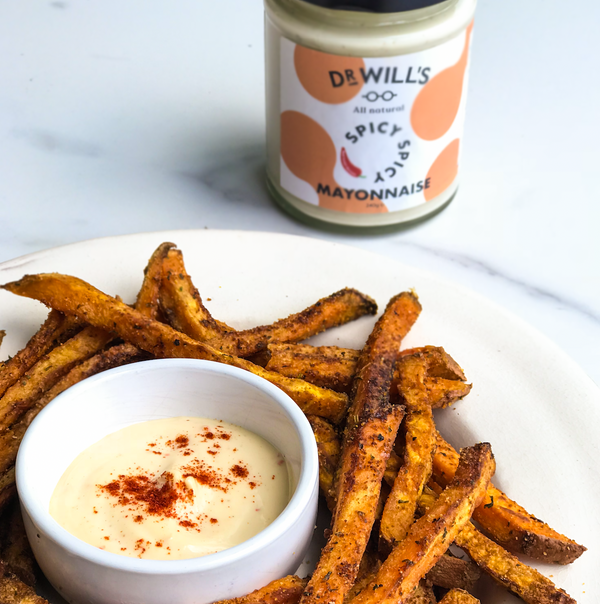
point(538, 409)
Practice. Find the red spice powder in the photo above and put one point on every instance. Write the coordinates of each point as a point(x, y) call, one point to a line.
point(181, 441)
point(155, 497)
point(239, 471)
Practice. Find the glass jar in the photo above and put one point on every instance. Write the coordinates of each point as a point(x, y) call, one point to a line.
point(365, 107)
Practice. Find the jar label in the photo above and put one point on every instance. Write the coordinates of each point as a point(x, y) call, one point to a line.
point(375, 134)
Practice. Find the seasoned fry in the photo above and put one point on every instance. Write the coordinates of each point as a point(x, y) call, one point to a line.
point(459, 596)
point(442, 393)
point(113, 357)
point(147, 301)
point(370, 432)
point(439, 363)
point(16, 367)
point(325, 366)
point(493, 559)
point(423, 594)
point(77, 297)
point(181, 303)
point(518, 578)
point(367, 570)
point(7, 487)
point(2, 334)
point(14, 591)
point(450, 572)
point(506, 522)
point(443, 379)
point(328, 446)
point(430, 536)
point(47, 371)
point(414, 473)
point(282, 591)
point(392, 468)
point(183, 307)
point(16, 552)
point(357, 494)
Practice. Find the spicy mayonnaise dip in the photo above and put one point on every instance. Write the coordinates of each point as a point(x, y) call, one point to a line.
point(173, 488)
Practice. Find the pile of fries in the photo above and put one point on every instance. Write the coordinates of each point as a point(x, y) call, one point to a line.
point(399, 494)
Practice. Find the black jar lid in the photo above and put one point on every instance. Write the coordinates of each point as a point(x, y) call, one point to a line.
point(375, 6)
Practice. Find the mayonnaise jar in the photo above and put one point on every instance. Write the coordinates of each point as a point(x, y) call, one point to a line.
point(365, 104)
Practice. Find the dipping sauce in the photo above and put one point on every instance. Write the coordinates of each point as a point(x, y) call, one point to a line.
point(172, 488)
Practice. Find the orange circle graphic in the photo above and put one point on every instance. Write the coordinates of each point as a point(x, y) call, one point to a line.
point(328, 78)
point(443, 170)
point(438, 102)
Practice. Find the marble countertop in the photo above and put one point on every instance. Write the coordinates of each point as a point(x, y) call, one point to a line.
point(124, 117)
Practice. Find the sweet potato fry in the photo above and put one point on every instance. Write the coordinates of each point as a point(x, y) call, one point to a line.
point(370, 432)
point(367, 570)
point(392, 468)
point(442, 393)
point(326, 366)
point(116, 356)
point(7, 487)
point(16, 553)
point(444, 380)
point(423, 594)
point(357, 495)
point(39, 344)
point(147, 301)
point(14, 591)
point(493, 559)
point(184, 310)
point(518, 578)
point(459, 596)
point(430, 536)
point(414, 473)
point(181, 303)
point(282, 591)
point(328, 446)
point(438, 362)
point(506, 522)
point(22, 395)
point(450, 572)
point(77, 297)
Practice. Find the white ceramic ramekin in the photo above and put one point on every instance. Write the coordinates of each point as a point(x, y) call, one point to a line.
point(152, 390)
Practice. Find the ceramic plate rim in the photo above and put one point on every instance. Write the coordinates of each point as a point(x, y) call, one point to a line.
point(587, 393)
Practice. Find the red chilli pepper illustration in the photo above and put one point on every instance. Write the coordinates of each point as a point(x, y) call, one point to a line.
point(348, 165)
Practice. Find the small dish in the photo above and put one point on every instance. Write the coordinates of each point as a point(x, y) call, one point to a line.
point(153, 390)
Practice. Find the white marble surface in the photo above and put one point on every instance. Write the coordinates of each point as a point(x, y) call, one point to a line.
point(143, 115)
